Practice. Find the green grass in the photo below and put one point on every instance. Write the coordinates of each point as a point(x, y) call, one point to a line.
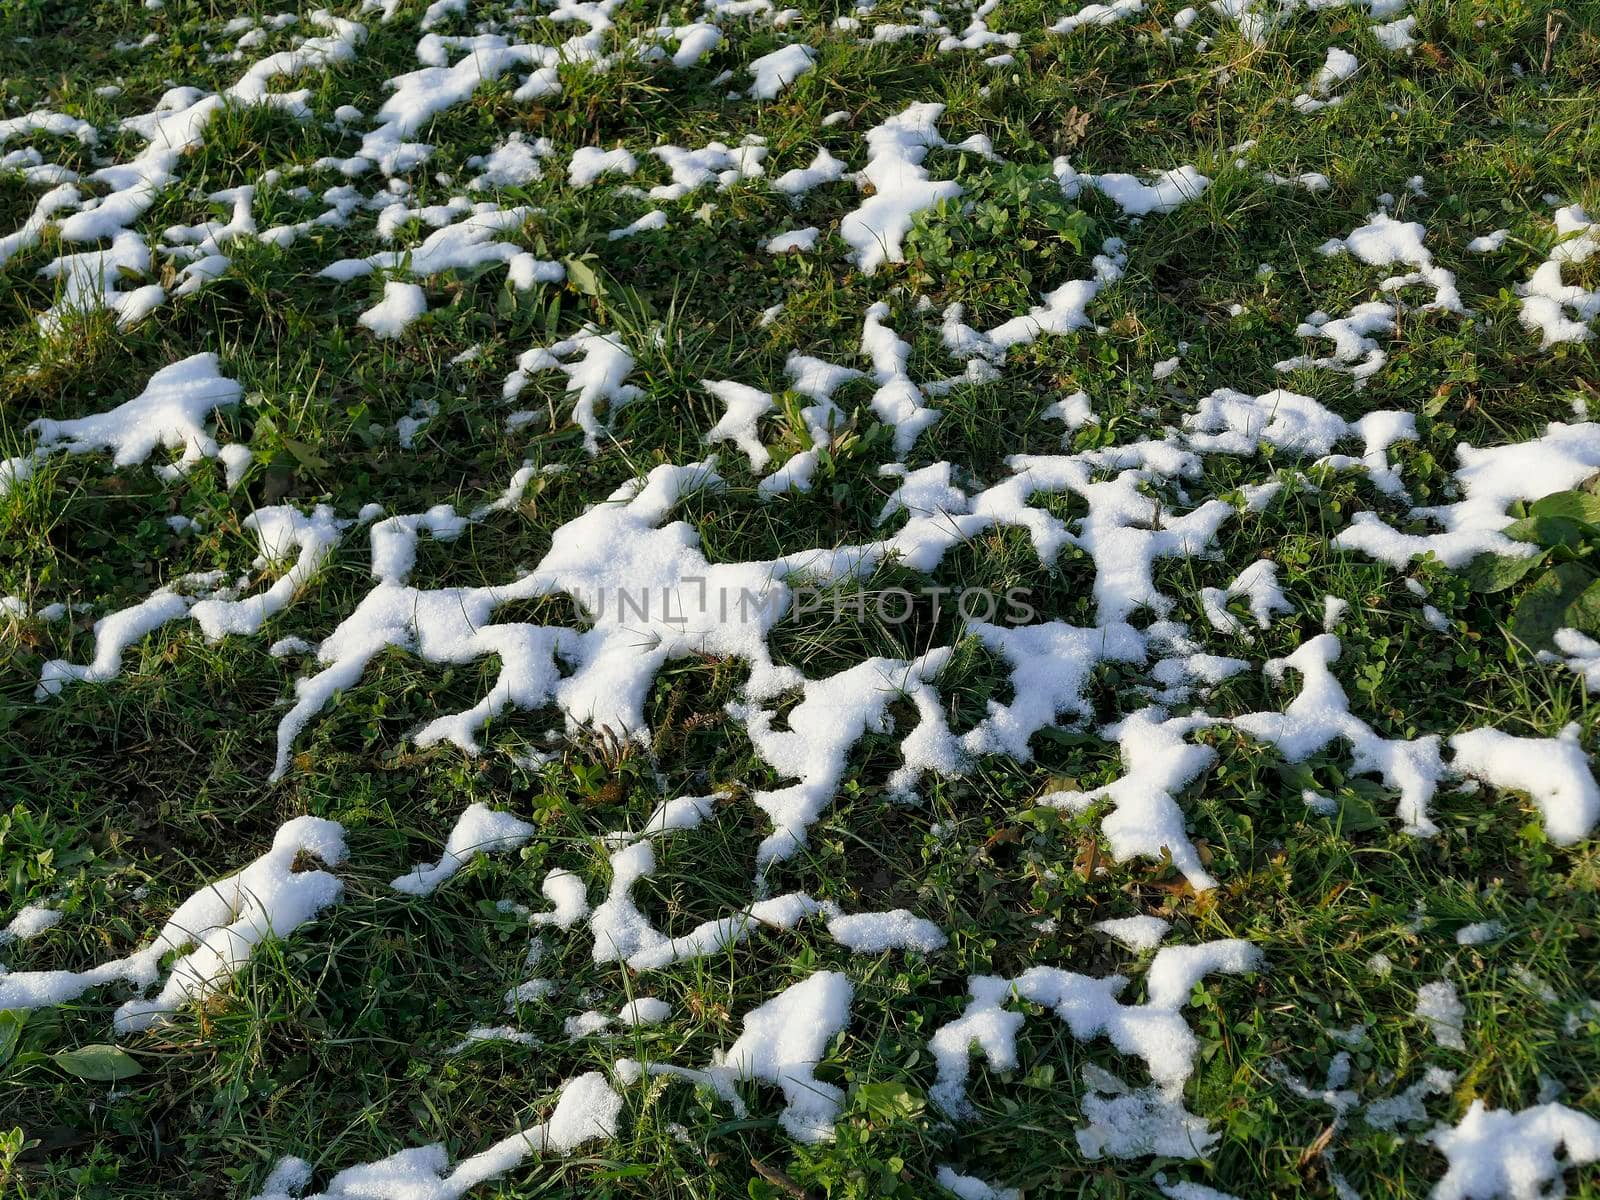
point(119, 800)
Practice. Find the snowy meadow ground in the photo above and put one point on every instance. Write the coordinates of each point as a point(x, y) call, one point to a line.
point(710, 600)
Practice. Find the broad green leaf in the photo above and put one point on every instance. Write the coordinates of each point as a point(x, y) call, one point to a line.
point(1496, 572)
point(11, 1022)
point(305, 455)
point(1357, 814)
point(1562, 531)
point(1297, 776)
point(99, 1062)
point(1574, 506)
point(1567, 596)
point(582, 276)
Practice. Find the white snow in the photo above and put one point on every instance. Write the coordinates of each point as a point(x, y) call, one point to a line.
point(1338, 66)
point(1580, 654)
point(1385, 242)
point(654, 219)
point(1489, 479)
point(1488, 243)
point(1479, 933)
point(1065, 309)
point(1136, 933)
point(776, 71)
point(873, 933)
point(479, 830)
point(171, 412)
point(781, 1044)
point(589, 163)
point(402, 304)
point(1553, 771)
point(1441, 1008)
point(1120, 1122)
point(1397, 35)
point(595, 364)
point(1098, 15)
point(513, 163)
point(566, 891)
point(902, 187)
point(970, 1187)
point(1548, 298)
point(1131, 499)
point(745, 407)
point(280, 530)
point(794, 239)
point(30, 921)
point(1258, 585)
point(1497, 1154)
point(113, 635)
point(823, 168)
point(223, 922)
point(586, 1111)
point(1167, 192)
point(1321, 713)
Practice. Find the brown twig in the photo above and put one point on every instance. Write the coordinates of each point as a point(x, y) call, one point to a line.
point(1314, 1151)
point(777, 1178)
point(1552, 32)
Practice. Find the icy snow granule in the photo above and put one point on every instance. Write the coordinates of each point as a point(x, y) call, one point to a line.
point(402, 304)
point(588, 163)
point(1136, 933)
point(1478, 934)
point(646, 1010)
point(873, 933)
point(795, 239)
point(970, 1187)
point(31, 920)
point(479, 830)
point(776, 71)
point(1441, 1008)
